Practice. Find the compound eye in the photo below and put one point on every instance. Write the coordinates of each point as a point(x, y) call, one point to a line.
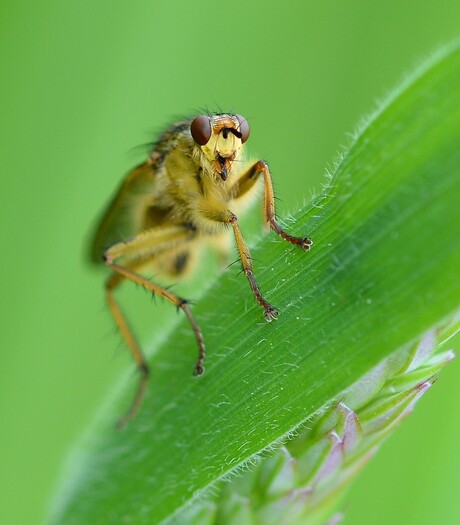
point(200, 129)
point(244, 128)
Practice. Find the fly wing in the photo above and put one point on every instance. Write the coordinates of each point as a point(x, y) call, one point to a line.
point(125, 215)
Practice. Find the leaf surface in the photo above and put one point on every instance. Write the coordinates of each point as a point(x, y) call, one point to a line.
point(383, 270)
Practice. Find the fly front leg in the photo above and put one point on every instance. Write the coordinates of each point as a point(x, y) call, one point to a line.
point(247, 182)
point(270, 311)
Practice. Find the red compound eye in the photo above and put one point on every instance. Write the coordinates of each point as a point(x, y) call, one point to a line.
point(200, 129)
point(244, 128)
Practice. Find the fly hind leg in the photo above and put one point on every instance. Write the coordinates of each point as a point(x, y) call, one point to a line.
point(144, 249)
point(112, 282)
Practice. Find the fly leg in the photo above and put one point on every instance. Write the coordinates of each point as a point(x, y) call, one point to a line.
point(243, 187)
point(136, 254)
point(227, 217)
point(270, 311)
point(247, 182)
point(180, 302)
point(112, 282)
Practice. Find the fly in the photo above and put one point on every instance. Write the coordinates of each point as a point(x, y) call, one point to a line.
point(189, 191)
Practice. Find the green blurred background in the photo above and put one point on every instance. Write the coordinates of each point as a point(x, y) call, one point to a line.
point(85, 82)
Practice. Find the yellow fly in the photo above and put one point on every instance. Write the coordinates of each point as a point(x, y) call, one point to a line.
point(188, 192)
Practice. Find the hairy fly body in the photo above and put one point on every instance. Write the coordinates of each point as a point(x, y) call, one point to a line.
point(189, 192)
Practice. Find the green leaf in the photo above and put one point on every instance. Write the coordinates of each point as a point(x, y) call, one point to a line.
point(383, 271)
point(302, 481)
